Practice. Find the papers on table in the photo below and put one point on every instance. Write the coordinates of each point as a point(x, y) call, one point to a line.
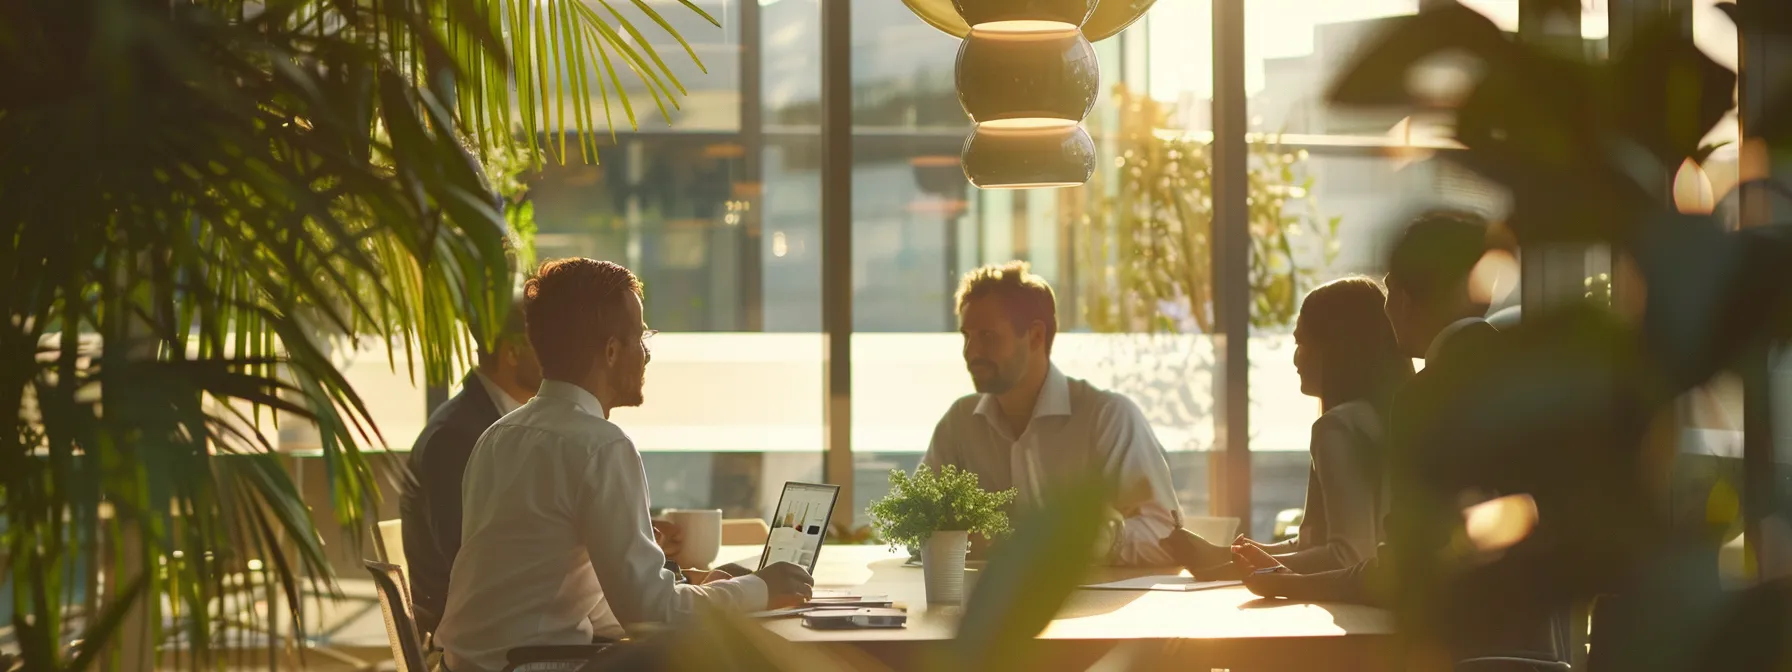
point(856, 603)
point(780, 613)
point(845, 598)
point(1170, 582)
point(826, 600)
point(865, 602)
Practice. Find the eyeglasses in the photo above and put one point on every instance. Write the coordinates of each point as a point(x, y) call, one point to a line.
point(647, 350)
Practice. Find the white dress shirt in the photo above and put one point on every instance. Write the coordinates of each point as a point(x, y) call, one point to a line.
point(501, 399)
point(1075, 427)
point(556, 543)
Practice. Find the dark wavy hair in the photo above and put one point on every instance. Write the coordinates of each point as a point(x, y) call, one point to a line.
point(1358, 355)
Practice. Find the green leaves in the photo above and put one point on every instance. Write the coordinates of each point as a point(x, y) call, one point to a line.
point(1668, 94)
point(1575, 407)
point(929, 502)
point(206, 201)
point(1376, 77)
point(1148, 245)
point(1585, 148)
point(555, 49)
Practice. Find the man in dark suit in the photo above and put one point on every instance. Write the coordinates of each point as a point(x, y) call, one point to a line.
point(430, 505)
point(1436, 303)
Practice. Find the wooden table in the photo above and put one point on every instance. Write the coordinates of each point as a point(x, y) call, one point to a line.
point(1224, 628)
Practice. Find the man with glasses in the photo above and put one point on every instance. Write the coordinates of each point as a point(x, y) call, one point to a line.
point(557, 547)
point(506, 377)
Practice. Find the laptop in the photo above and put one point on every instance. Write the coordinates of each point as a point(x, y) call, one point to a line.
point(799, 524)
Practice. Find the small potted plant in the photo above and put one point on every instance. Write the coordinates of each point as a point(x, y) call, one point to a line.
point(936, 512)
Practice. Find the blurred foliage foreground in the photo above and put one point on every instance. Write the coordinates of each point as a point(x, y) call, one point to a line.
point(1571, 408)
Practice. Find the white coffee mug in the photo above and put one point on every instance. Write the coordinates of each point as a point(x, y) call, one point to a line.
point(702, 530)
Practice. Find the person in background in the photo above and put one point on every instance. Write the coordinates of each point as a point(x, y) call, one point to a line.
point(429, 500)
point(1437, 318)
point(1437, 314)
point(557, 547)
point(1346, 355)
point(1031, 427)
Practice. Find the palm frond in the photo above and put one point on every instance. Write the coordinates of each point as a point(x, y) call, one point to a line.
point(203, 200)
point(553, 46)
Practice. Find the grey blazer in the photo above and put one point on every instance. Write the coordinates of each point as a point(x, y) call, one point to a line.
point(1345, 495)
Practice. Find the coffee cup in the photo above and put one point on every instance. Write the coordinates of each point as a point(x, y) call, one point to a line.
point(702, 532)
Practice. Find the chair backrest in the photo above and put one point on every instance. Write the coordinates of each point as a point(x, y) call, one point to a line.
point(744, 532)
point(392, 540)
point(401, 627)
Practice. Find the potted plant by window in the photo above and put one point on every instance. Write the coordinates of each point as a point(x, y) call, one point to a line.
point(936, 512)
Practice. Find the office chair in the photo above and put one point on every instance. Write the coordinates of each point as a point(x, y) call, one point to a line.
point(407, 646)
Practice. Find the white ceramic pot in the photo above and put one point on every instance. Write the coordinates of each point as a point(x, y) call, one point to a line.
point(942, 566)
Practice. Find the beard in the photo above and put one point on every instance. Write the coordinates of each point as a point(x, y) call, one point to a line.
point(629, 381)
point(989, 377)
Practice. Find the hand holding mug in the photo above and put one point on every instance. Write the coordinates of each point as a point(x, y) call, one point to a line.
point(669, 537)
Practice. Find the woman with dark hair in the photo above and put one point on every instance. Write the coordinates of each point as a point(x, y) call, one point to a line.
point(1346, 355)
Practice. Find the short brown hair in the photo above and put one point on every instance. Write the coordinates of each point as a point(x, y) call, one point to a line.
point(571, 308)
point(1024, 295)
point(513, 330)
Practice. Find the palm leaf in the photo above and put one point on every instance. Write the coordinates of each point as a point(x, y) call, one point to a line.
point(225, 187)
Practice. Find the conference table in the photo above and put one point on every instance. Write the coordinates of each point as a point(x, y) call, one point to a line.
point(1218, 628)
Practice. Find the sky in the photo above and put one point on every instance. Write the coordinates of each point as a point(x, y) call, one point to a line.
point(1181, 42)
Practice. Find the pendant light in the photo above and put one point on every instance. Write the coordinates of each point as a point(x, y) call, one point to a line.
point(1039, 73)
point(1027, 75)
point(1109, 18)
point(1028, 157)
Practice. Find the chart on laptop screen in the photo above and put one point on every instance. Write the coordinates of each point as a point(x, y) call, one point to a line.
point(799, 524)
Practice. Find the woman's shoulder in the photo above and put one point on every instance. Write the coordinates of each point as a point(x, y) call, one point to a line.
point(1358, 416)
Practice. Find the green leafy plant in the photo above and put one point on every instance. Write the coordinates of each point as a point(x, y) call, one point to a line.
point(1143, 247)
point(944, 501)
point(201, 197)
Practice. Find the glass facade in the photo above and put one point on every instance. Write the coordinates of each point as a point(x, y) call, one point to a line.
point(718, 209)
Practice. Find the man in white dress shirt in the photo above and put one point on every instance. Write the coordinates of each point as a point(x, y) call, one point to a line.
point(1031, 427)
point(557, 546)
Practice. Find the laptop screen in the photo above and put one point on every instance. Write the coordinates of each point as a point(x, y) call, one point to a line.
point(799, 524)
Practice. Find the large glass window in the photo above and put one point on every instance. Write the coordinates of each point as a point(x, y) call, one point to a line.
point(1328, 189)
point(919, 225)
point(718, 214)
point(718, 209)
